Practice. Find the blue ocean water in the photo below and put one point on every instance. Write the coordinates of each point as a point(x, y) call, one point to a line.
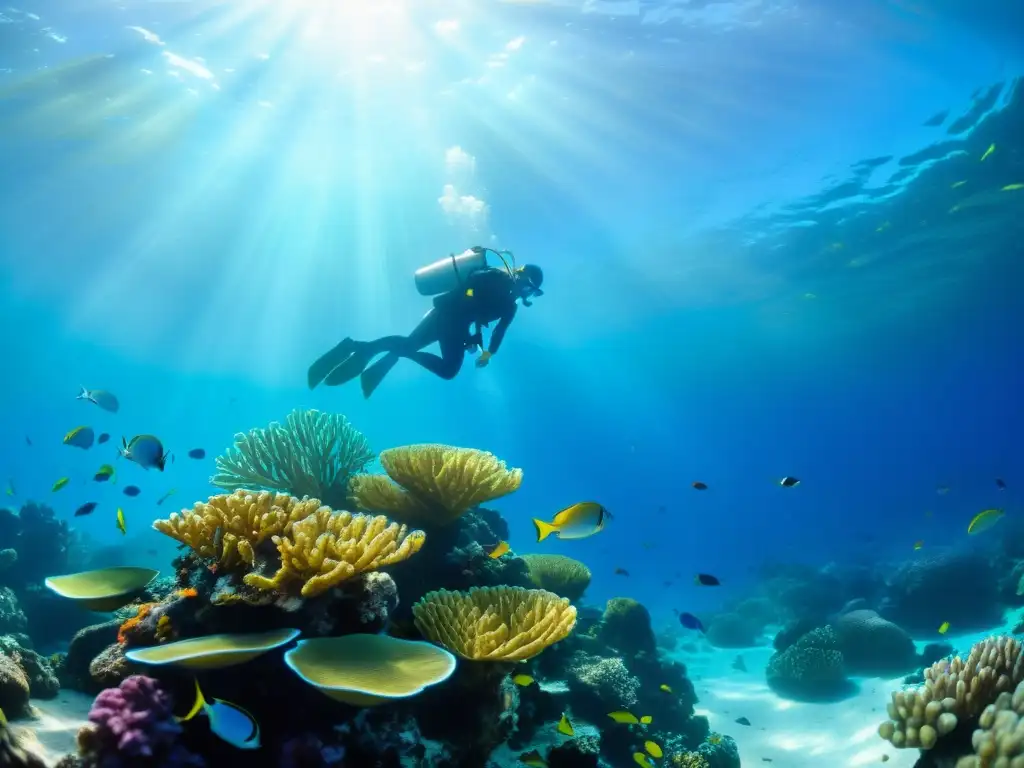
point(760, 259)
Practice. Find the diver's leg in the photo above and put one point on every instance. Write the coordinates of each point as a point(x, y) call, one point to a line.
point(424, 334)
point(329, 361)
point(453, 353)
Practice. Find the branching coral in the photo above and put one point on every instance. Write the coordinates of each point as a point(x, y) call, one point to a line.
point(434, 484)
point(953, 691)
point(312, 454)
point(559, 574)
point(999, 740)
point(330, 547)
point(494, 623)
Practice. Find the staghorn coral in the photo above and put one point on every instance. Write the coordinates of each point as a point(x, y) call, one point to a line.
point(559, 574)
point(953, 691)
point(313, 454)
point(330, 547)
point(999, 740)
point(229, 527)
point(434, 484)
point(494, 623)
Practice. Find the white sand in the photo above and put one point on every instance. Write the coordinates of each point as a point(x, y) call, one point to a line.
point(51, 733)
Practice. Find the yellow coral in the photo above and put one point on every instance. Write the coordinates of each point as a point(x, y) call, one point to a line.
point(229, 527)
point(559, 574)
point(436, 484)
point(690, 760)
point(330, 547)
point(494, 623)
point(953, 690)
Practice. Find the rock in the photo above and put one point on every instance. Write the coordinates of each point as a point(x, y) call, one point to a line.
point(109, 668)
point(872, 645)
point(626, 627)
point(730, 630)
point(85, 646)
point(14, 690)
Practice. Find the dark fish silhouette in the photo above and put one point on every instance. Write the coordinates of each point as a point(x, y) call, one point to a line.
point(132, 490)
point(197, 453)
point(86, 509)
point(706, 580)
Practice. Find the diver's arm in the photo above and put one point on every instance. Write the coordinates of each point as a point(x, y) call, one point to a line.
point(499, 330)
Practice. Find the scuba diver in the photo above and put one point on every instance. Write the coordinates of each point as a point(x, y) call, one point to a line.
point(468, 294)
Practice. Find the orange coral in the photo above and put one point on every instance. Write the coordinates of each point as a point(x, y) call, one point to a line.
point(134, 621)
point(188, 592)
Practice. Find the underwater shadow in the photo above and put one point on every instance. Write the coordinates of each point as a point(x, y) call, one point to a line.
point(822, 693)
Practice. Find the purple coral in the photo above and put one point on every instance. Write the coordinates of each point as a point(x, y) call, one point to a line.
point(133, 721)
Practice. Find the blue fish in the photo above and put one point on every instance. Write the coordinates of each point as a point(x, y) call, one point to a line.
point(85, 509)
point(105, 400)
point(104, 436)
point(197, 453)
point(146, 451)
point(132, 490)
point(228, 721)
point(80, 437)
point(690, 621)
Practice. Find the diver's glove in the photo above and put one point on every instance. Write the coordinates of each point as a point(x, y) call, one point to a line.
point(484, 359)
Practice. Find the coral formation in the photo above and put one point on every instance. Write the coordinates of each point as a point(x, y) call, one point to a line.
point(13, 754)
point(953, 691)
point(607, 679)
point(811, 667)
point(999, 740)
point(13, 687)
point(494, 623)
point(434, 484)
point(872, 645)
point(732, 630)
point(559, 574)
point(626, 625)
point(42, 681)
point(312, 454)
point(12, 618)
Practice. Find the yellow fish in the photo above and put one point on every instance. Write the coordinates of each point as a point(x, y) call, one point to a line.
point(984, 520)
point(120, 522)
point(3, 719)
point(576, 522)
point(565, 727)
point(499, 550)
point(642, 759)
point(1012, 187)
point(653, 749)
point(523, 680)
point(646, 720)
point(104, 473)
point(532, 758)
point(956, 184)
point(80, 437)
point(60, 484)
point(944, 628)
point(621, 716)
point(989, 151)
point(918, 545)
point(664, 688)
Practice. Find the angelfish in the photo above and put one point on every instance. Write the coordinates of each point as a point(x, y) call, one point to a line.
point(228, 721)
point(146, 451)
point(576, 522)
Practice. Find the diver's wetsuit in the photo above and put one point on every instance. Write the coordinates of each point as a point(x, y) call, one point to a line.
point(488, 295)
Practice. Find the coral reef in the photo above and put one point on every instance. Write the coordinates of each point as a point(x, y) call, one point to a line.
point(12, 618)
point(312, 454)
point(42, 681)
point(40, 542)
point(494, 623)
point(732, 630)
point(434, 485)
point(562, 575)
point(810, 668)
point(626, 626)
point(873, 646)
point(603, 680)
point(13, 687)
point(999, 740)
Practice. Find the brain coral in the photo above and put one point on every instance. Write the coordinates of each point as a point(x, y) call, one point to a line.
point(559, 574)
point(810, 667)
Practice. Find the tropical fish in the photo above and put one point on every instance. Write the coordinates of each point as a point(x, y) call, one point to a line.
point(621, 572)
point(622, 716)
point(742, 721)
point(228, 721)
point(789, 482)
point(499, 550)
point(646, 720)
point(918, 545)
point(100, 397)
point(943, 627)
point(86, 509)
point(1000, 484)
point(988, 152)
point(166, 496)
point(653, 749)
point(132, 490)
point(104, 436)
point(576, 522)
point(10, 488)
point(60, 484)
point(532, 758)
point(706, 580)
point(146, 451)
point(120, 522)
point(523, 680)
point(690, 621)
point(565, 727)
point(984, 520)
point(641, 759)
point(80, 437)
point(104, 473)
point(197, 453)
point(715, 738)
point(28, 441)
point(664, 688)
point(700, 486)
point(1012, 187)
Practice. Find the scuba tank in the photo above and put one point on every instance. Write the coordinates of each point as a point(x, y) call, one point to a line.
point(451, 272)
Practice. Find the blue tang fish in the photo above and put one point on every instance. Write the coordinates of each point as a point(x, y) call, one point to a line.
point(229, 721)
point(105, 400)
point(146, 451)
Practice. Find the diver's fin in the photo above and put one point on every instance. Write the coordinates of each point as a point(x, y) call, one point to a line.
point(543, 529)
point(374, 375)
point(352, 366)
point(327, 362)
point(196, 708)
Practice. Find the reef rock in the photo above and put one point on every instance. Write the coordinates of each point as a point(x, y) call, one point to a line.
point(872, 645)
point(626, 627)
point(42, 681)
point(14, 689)
point(731, 630)
point(810, 669)
point(12, 618)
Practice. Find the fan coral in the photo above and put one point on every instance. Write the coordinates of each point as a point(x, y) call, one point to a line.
point(132, 722)
point(312, 454)
point(330, 547)
point(494, 623)
point(559, 574)
point(953, 690)
point(434, 484)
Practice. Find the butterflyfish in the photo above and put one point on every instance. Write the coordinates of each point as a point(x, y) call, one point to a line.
point(565, 727)
point(499, 550)
point(80, 437)
point(576, 522)
point(228, 721)
point(146, 451)
point(622, 716)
